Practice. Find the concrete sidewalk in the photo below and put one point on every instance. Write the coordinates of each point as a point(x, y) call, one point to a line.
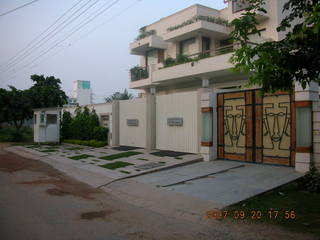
point(231, 182)
point(89, 170)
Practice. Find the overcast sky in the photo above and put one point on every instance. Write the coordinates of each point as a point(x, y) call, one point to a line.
point(98, 52)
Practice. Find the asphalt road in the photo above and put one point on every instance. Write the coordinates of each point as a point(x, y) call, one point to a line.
point(38, 202)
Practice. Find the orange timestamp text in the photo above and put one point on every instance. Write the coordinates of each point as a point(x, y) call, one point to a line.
point(252, 214)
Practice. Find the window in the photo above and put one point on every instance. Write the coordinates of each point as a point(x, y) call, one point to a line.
point(42, 117)
point(186, 46)
point(207, 130)
point(239, 5)
point(35, 119)
point(51, 118)
point(304, 126)
point(152, 57)
point(105, 120)
point(206, 42)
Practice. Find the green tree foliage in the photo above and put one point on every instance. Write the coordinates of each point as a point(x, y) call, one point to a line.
point(15, 106)
point(119, 96)
point(46, 92)
point(84, 126)
point(66, 131)
point(275, 65)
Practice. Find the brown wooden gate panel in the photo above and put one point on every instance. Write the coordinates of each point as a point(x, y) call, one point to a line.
point(256, 128)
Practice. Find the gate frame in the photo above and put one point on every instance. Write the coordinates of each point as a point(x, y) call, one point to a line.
point(254, 137)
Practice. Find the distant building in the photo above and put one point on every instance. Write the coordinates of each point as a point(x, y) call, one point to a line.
point(82, 93)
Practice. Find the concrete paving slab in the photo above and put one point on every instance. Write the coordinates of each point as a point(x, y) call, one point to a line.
point(156, 199)
point(61, 161)
point(238, 184)
point(188, 172)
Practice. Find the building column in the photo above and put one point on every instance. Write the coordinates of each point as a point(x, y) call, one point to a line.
point(206, 121)
point(151, 119)
point(307, 113)
point(115, 133)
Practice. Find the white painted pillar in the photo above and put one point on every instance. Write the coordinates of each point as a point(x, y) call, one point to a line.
point(206, 99)
point(151, 119)
point(311, 94)
point(115, 135)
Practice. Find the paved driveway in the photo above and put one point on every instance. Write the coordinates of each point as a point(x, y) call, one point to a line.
point(221, 182)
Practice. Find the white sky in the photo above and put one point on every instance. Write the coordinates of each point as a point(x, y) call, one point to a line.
point(100, 56)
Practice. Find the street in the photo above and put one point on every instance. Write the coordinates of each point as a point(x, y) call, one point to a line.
point(39, 202)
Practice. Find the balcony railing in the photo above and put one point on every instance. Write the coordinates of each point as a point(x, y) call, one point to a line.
point(137, 73)
point(181, 59)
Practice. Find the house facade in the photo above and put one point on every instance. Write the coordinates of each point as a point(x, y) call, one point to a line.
point(192, 102)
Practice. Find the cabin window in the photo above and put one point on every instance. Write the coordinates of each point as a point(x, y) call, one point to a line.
point(51, 118)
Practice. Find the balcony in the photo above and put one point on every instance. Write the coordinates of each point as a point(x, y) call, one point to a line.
point(193, 27)
point(138, 73)
point(140, 47)
point(239, 7)
point(205, 64)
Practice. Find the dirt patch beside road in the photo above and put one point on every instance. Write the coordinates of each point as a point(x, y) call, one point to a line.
point(98, 214)
point(64, 185)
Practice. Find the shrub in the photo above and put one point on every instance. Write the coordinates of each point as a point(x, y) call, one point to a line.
point(84, 126)
point(10, 134)
point(182, 59)
point(66, 131)
point(138, 73)
point(90, 143)
point(100, 133)
point(169, 62)
point(311, 181)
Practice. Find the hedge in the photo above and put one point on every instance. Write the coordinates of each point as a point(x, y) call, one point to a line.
point(90, 143)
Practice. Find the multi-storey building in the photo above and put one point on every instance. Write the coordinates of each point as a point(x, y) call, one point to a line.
point(193, 102)
point(82, 92)
point(193, 46)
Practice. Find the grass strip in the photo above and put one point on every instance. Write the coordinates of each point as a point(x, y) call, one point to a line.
point(74, 148)
point(82, 156)
point(115, 165)
point(143, 159)
point(120, 155)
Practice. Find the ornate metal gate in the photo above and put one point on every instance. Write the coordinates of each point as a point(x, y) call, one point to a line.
point(256, 128)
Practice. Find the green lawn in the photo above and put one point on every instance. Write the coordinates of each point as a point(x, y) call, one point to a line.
point(120, 155)
point(289, 207)
point(82, 156)
point(116, 165)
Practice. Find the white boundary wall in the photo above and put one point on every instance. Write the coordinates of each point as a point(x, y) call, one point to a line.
point(177, 138)
point(100, 108)
point(133, 135)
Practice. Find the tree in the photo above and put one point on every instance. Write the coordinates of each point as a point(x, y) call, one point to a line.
point(15, 106)
point(66, 131)
point(46, 92)
point(119, 96)
point(276, 65)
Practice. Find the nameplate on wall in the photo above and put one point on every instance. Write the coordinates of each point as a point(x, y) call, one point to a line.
point(133, 122)
point(175, 122)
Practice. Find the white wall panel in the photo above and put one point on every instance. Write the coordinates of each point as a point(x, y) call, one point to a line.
point(183, 138)
point(133, 135)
